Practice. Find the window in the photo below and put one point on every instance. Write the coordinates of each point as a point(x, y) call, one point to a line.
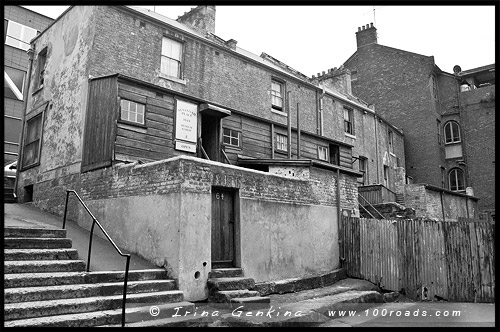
point(390, 138)
point(348, 121)
point(334, 154)
point(456, 178)
point(277, 95)
point(386, 176)
point(31, 152)
point(451, 132)
point(323, 153)
point(231, 137)
point(281, 143)
point(41, 59)
point(132, 112)
point(363, 164)
point(14, 83)
point(171, 57)
point(19, 35)
point(354, 75)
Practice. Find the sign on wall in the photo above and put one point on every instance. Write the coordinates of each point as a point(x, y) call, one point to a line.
point(186, 126)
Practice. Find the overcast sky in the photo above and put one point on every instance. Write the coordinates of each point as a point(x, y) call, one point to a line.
point(312, 39)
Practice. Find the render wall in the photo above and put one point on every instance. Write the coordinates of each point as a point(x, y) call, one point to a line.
point(162, 211)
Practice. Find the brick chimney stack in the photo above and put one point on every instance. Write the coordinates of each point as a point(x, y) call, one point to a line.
point(201, 18)
point(366, 35)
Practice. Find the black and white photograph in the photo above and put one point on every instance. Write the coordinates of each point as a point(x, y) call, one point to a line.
point(309, 165)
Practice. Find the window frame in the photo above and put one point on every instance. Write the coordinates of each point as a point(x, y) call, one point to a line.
point(450, 125)
point(231, 137)
point(180, 61)
point(38, 139)
point(282, 95)
point(332, 149)
point(40, 69)
point(130, 122)
point(455, 171)
point(364, 170)
point(349, 122)
point(20, 40)
point(390, 139)
point(326, 153)
point(10, 82)
point(278, 143)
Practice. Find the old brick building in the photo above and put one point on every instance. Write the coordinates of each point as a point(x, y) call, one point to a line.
point(449, 132)
point(20, 26)
point(170, 133)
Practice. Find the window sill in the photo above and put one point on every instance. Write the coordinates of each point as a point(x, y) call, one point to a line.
point(25, 168)
point(349, 135)
point(279, 112)
point(232, 147)
point(37, 90)
point(452, 143)
point(281, 152)
point(173, 79)
point(392, 154)
point(130, 123)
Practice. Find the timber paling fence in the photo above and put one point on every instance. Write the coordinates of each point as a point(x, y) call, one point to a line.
point(423, 259)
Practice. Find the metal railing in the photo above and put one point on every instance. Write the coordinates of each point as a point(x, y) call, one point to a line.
point(94, 221)
point(369, 204)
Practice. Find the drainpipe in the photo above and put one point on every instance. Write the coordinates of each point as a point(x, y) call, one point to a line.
point(289, 120)
point(442, 205)
point(298, 132)
point(339, 216)
point(376, 148)
point(31, 53)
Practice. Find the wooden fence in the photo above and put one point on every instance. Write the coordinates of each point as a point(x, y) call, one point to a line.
point(424, 259)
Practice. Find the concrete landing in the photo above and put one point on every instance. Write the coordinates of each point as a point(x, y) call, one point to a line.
point(104, 256)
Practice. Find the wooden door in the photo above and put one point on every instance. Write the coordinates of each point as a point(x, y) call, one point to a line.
point(222, 228)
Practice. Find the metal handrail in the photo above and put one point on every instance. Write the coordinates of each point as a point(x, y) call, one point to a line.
point(380, 214)
point(94, 221)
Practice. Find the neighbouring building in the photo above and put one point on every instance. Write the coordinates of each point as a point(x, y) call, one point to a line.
point(20, 26)
point(448, 127)
point(193, 152)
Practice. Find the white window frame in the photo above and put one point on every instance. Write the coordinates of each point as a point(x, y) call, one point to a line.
point(231, 137)
point(452, 140)
point(10, 83)
point(455, 173)
point(36, 142)
point(281, 142)
point(277, 97)
point(349, 121)
point(323, 153)
point(21, 41)
point(364, 161)
point(169, 58)
point(132, 115)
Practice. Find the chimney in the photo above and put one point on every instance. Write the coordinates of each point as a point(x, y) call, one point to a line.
point(231, 43)
point(366, 35)
point(201, 18)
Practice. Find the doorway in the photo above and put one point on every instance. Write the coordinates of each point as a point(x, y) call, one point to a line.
point(223, 228)
point(210, 136)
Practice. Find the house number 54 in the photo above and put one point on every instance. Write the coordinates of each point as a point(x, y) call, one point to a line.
point(219, 196)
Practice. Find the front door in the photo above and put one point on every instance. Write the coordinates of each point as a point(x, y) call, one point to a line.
point(222, 228)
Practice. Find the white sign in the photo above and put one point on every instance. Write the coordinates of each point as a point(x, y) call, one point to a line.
point(184, 146)
point(186, 121)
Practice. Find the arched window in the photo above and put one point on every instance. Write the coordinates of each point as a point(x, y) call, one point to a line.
point(456, 179)
point(451, 132)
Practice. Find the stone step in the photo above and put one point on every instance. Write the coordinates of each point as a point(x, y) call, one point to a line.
point(226, 296)
point(36, 243)
point(104, 317)
point(21, 232)
point(39, 254)
point(66, 278)
point(250, 303)
point(44, 266)
point(225, 273)
point(225, 284)
point(23, 310)
point(29, 294)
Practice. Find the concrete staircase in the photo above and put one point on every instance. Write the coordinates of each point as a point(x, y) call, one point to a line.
point(229, 286)
point(45, 284)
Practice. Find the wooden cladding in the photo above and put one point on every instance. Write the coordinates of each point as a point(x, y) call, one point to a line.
point(424, 259)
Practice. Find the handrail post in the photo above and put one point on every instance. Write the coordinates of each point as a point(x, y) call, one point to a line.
point(66, 208)
point(125, 291)
point(90, 244)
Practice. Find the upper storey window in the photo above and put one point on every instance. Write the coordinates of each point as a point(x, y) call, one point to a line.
point(19, 35)
point(277, 95)
point(348, 121)
point(171, 57)
point(452, 132)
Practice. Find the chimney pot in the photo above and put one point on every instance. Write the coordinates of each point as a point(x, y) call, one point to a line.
point(371, 25)
point(323, 72)
point(359, 29)
point(367, 26)
point(319, 74)
point(313, 76)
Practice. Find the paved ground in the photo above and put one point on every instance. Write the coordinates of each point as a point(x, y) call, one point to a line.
point(104, 256)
